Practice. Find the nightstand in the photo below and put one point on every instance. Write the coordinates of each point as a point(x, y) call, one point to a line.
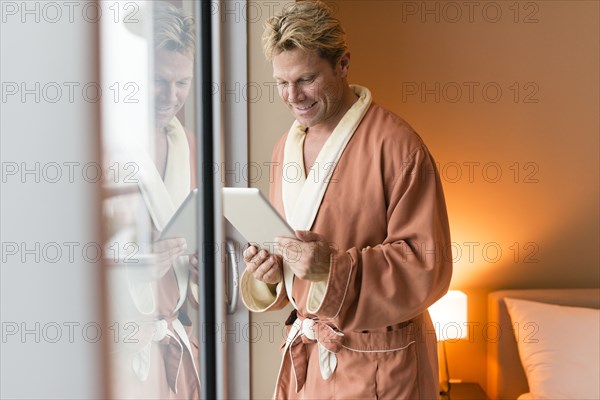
point(465, 391)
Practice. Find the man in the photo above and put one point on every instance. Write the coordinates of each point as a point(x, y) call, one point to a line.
point(161, 361)
point(372, 245)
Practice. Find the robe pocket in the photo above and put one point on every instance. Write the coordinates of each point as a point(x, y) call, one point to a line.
point(397, 374)
point(378, 364)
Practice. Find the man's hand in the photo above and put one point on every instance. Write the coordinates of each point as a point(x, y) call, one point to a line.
point(308, 256)
point(264, 266)
point(194, 264)
point(166, 251)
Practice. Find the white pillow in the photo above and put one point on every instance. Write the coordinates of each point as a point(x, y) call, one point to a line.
point(559, 348)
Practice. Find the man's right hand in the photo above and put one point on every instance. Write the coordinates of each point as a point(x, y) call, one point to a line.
point(166, 251)
point(263, 266)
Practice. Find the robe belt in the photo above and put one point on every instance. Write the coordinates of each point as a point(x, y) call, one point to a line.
point(329, 342)
point(173, 352)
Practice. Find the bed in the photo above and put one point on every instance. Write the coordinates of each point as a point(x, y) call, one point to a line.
point(506, 377)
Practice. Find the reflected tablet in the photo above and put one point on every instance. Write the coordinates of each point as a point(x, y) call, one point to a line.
point(254, 217)
point(183, 223)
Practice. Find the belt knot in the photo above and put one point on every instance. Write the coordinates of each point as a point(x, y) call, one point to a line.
point(329, 342)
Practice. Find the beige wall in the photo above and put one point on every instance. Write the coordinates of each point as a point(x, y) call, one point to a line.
point(506, 98)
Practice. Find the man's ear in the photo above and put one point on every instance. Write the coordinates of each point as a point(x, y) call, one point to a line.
point(344, 64)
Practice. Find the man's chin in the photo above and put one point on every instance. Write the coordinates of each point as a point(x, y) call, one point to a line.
point(305, 119)
point(162, 122)
point(305, 122)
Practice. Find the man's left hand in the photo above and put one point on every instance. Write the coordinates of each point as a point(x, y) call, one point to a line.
point(308, 256)
point(194, 264)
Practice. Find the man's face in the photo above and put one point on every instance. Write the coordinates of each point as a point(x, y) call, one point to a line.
point(173, 72)
point(311, 87)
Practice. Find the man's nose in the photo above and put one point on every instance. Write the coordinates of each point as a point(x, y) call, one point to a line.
point(169, 93)
point(294, 93)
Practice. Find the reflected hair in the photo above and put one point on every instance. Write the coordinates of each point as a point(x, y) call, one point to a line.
point(306, 25)
point(173, 29)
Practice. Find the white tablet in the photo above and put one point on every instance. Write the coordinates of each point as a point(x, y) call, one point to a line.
point(183, 223)
point(254, 217)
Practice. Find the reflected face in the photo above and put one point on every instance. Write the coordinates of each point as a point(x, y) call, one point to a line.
point(173, 73)
point(311, 88)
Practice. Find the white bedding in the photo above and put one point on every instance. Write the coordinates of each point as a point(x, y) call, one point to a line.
point(559, 349)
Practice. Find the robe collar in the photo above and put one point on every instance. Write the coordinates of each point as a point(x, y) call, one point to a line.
point(302, 196)
point(163, 197)
point(302, 193)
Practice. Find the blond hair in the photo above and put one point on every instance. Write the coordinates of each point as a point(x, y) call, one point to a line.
point(306, 25)
point(173, 29)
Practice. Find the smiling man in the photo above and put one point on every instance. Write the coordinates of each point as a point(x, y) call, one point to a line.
point(161, 362)
point(372, 237)
point(173, 74)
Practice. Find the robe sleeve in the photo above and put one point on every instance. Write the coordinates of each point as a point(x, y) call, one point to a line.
point(259, 296)
point(392, 282)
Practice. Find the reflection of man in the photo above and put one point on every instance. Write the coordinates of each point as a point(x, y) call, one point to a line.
point(173, 73)
point(165, 360)
point(369, 254)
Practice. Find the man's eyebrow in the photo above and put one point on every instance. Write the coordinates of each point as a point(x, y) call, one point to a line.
point(301, 77)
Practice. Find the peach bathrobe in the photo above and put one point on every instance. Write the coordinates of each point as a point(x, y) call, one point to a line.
point(375, 194)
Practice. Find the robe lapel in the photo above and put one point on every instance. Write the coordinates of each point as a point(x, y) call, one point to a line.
point(177, 173)
point(294, 175)
point(162, 198)
point(302, 197)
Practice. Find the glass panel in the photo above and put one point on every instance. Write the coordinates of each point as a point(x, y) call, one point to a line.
point(148, 150)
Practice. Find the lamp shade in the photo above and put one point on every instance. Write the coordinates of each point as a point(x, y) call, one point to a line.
point(449, 316)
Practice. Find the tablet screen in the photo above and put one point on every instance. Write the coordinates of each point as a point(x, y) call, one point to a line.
point(254, 217)
point(183, 223)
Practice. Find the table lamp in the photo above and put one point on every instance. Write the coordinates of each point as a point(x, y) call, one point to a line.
point(449, 316)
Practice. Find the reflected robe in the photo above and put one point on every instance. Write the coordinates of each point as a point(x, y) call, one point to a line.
point(158, 357)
